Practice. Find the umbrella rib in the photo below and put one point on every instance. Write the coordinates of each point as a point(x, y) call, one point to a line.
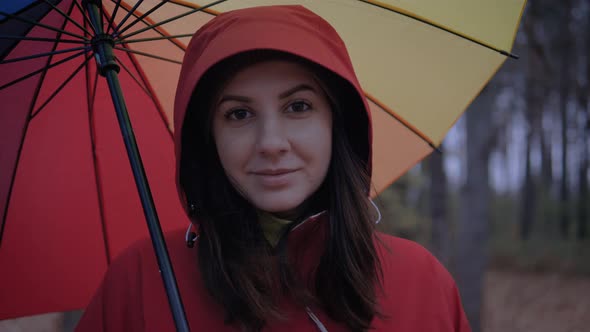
point(425, 21)
point(103, 15)
point(193, 5)
point(40, 55)
point(146, 54)
point(137, 20)
point(26, 127)
point(116, 29)
point(58, 90)
point(112, 19)
point(40, 70)
point(85, 16)
point(89, 105)
point(92, 134)
point(146, 82)
point(133, 76)
point(95, 86)
point(159, 30)
point(22, 19)
point(72, 41)
point(192, 11)
point(403, 122)
point(95, 74)
point(186, 35)
point(67, 17)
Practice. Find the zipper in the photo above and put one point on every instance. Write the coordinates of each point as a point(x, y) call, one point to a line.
point(318, 323)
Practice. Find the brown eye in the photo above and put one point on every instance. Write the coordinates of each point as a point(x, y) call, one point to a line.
point(298, 107)
point(238, 114)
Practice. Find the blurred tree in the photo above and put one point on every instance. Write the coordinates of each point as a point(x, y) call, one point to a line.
point(581, 230)
point(565, 55)
point(540, 32)
point(529, 199)
point(584, 92)
point(536, 68)
point(439, 236)
point(400, 211)
point(473, 226)
point(533, 115)
point(546, 162)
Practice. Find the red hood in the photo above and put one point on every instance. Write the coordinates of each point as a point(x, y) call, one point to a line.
point(291, 29)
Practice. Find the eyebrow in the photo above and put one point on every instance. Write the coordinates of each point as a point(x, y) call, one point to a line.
point(297, 88)
point(233, 98)
point(283, 95)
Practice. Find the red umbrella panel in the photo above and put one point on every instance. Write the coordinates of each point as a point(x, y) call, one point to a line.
point(68, 200)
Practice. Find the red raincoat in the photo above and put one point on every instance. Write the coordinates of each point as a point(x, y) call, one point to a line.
point(418, 294)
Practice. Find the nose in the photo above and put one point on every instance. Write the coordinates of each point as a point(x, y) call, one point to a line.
point(272, 140)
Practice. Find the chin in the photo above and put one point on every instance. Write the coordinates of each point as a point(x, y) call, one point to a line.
point(277, 206)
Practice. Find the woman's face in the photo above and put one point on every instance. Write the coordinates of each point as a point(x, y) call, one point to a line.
point(272, 127)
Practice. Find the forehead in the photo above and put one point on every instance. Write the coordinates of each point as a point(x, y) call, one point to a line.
point(277, 73)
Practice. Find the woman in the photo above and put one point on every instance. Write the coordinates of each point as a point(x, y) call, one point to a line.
point(273, 146)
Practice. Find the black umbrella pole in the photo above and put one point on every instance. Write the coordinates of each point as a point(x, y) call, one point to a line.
point(147, 202)
point(103, 48)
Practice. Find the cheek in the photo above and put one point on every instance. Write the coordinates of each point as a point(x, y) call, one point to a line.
point(324, 151)
point(315, 142)
point(231, 150)
point(324, 143)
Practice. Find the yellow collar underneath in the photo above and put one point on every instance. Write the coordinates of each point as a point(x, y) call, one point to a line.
point(272, 226)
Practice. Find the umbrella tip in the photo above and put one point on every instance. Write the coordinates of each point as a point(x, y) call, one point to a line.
point(435, 148)
point(510, 55)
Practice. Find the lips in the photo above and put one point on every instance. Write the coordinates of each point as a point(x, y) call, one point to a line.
point(275, 178)
point(274, 172)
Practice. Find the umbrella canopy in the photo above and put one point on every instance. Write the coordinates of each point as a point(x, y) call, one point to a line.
point(68, 199)
point(66, 193)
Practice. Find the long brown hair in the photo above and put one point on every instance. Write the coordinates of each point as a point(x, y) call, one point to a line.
point(239, 269)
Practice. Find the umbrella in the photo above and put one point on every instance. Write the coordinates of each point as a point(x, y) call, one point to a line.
point(69, 201)
point(420, 62)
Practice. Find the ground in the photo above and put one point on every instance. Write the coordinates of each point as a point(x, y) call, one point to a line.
point(539, 302)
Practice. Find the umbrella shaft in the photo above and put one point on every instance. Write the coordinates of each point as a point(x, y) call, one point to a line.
point(103, 48)
point(147, 202)
point(102, 43)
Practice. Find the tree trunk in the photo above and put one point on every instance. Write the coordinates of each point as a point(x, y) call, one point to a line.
point(582, 230)
point(473, 227)
point(564, 88)
point(528, 195)
point(533, 117)
point(438, 208)
point(546, 163)
point(583, 209)
point(563, 192)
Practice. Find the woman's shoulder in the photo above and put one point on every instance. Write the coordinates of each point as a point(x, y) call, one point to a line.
point(142, 250)
point(403, 252)
point(138, 265)
point(132, 292)
point(412, 260)
point(416, 285)
point(140, 255)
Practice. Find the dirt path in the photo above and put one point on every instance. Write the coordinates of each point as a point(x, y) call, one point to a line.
point(536, 302)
